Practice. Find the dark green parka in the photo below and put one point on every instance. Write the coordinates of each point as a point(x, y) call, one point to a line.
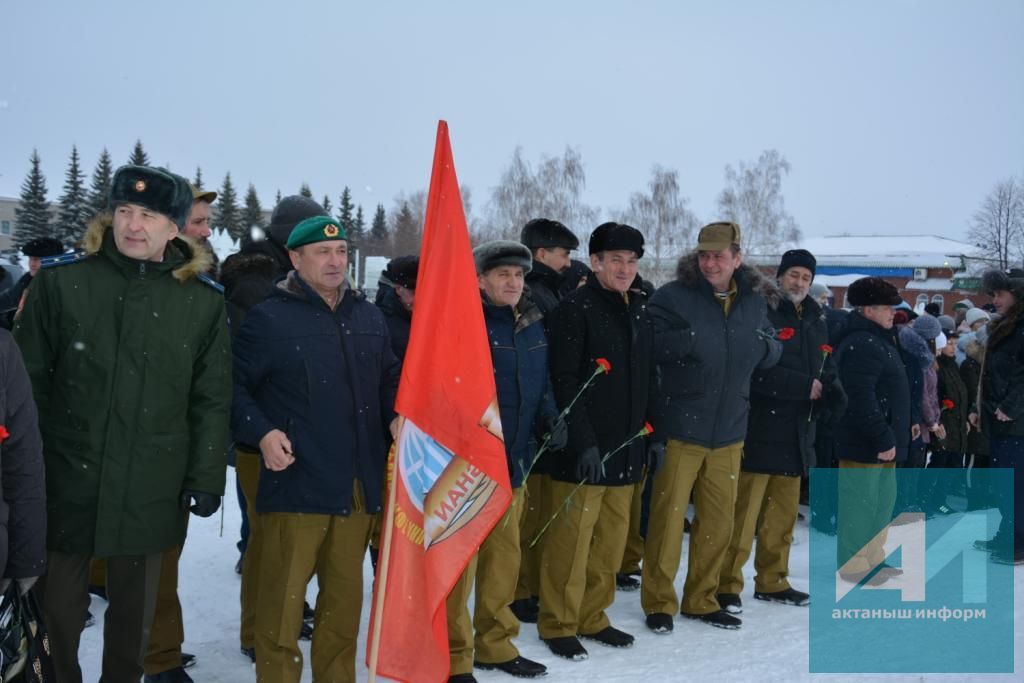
point(130, 368)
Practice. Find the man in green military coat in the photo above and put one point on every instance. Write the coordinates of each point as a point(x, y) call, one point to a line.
point(128, 351)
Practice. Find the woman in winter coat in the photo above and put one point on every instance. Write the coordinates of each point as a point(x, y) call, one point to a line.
point(977, 448)
point(948, 452)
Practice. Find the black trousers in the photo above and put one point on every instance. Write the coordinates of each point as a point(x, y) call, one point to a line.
point(132, 583)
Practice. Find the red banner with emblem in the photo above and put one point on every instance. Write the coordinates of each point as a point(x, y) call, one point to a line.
point(449, 475)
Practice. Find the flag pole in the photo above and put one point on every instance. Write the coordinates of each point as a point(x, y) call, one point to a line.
point(382, 562)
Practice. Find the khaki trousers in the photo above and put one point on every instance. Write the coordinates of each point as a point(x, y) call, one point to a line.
point(711, 475)
point(582, 552)
point(867, 494)
point(537, 511)
point(247, 470)
point(766, 505)
point(495, 567)
point(634, 552)
point(131, 582)
point(296, 546)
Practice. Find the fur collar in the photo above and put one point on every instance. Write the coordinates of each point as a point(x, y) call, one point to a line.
point(748, 279)
point(196, 259)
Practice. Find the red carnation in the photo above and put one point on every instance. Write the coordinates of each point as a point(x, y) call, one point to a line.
point(785, 333)
point(605, 366)
point(4, 433)
point(648, 429)
point(825, 348)
point(947, 404)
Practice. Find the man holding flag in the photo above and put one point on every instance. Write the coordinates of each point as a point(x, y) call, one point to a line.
point(450, 481)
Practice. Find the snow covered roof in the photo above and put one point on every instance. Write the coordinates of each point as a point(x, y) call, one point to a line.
point(932, 284)
point(907, 251)
point(844, 280)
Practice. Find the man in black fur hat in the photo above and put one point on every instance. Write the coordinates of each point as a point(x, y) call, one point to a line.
point(711, 332)
point(1000, 408)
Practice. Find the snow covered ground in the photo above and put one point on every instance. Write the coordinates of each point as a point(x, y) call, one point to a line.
point(771, 646)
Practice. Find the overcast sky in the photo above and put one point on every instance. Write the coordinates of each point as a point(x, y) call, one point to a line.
point(897, 116)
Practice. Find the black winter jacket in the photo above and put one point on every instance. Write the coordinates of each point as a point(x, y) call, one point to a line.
point(248, 277)
point(871, 369)
point(1002, 376)
point(705, 358)
point(398, 318)
point(590, 323)
point(952, 388)
point(970, 372)
point(544, 283)
point(23, 505)
point(780, 437)
point(328, 379)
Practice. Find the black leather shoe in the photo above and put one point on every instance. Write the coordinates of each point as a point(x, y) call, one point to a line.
point(250, 652)
point(462, 678)
point(790, 596)
point(610, 636)
point(568, 647)
point(306, 632)
point(187, 660)
point(525, 610)
point(719, 619)
point(173, 676)
point(520, 667)
point(660, 623)
point(730, 602)
point(627, 582)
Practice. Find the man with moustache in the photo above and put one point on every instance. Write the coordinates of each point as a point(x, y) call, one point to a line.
point(712, 332)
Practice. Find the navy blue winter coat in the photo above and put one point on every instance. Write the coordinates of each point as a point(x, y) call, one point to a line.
point(326, 378)
point(519, 351)
point(871, 369)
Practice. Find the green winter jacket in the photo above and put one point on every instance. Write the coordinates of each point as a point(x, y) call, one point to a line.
point(130, 363)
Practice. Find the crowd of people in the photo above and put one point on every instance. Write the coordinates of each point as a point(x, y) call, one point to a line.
point(140, 366)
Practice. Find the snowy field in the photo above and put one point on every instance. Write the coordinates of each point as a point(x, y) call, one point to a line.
point(771, 646)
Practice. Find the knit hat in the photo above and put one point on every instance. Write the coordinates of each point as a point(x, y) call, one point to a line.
point(976, 314)
point(872, 291)
point(548, 234)
point(947, 323)
point(927, 327)
point(315, 229)
point(288, 213)
point(502, 253)
point(818, 289)
point(1011, 281)
point(616, 237)
point(964, 304)
point(402, 271)
point(797, 258)
point(41, 247)
point(154, 188)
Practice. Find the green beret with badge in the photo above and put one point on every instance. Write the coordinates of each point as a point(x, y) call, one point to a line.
point(316, 229)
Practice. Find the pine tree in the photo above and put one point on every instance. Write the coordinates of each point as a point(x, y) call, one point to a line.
point(99, 191)
point(139, 156)
point(345, 212)
point(305, 191)
point(327, 204)
point(74, 205)
point(252, 214)
point(198, 180)
point(227, 215)
point(359, 225)
point(379, 227)
point(406, 238)
point(32, 216)
point(277, 198)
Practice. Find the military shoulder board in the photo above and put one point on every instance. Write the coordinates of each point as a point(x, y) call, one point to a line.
point(207, 280)
point(63, 259)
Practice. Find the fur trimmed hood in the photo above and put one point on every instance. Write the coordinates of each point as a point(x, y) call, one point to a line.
point(197, 260)
point(748, 279)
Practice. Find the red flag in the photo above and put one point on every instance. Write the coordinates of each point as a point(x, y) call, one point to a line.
point(451, 483)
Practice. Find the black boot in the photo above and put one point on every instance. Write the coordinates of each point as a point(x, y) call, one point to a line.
point(660, 623)
point(730, 602)
point(526, 610)
point(719, 619)
point(1008, 556)
point(521, 667)
point(173, 676)
point(789, 596)
point(627, 582)
point(187, 660)
point(568, 647)
point(610, 636)
point(462, 678)
point(250, 652)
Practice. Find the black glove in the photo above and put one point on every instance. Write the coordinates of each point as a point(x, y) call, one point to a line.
point(589, 467)
point(205, 503)
point(558, 431)
point(655, 455)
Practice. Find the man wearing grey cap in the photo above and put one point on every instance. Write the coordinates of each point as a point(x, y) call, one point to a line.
point(127, 348)
point(711, 332)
